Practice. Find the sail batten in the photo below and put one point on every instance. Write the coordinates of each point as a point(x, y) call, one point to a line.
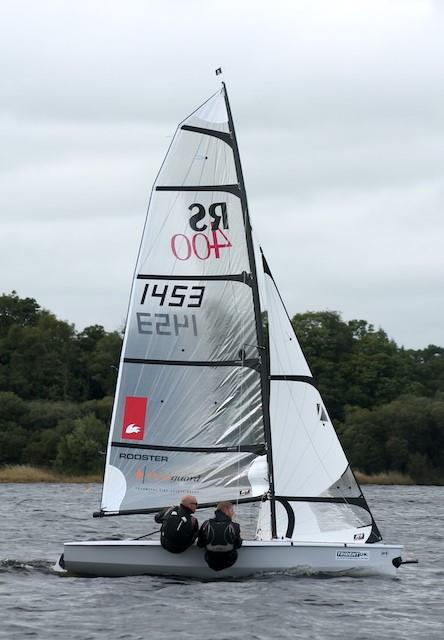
point(241, 277)
point(229, 188)
point(294, 378)
point(251, 364)
point(254, 448)
point(226, 137)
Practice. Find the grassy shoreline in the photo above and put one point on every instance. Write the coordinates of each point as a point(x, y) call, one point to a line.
point(386, 477)
point(22, 473)
point(26, 473)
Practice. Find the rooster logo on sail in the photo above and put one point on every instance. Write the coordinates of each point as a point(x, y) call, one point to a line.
point(134, 418)
point(132, 428)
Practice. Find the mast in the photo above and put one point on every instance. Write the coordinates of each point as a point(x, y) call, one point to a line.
point(265, 383)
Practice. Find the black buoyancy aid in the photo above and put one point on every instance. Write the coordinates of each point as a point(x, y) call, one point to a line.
point(178, 528)
point(220, 535)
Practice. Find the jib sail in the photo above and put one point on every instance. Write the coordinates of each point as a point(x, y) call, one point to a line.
point(317, 496)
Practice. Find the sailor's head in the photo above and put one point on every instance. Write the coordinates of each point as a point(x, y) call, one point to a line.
point(189, 502)
point(226, 508)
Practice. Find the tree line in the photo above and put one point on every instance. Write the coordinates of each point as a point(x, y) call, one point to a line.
point(56, 388)
point(386, 402)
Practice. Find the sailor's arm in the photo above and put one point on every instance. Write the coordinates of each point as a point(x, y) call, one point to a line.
point(160, 517)
point(202, 536)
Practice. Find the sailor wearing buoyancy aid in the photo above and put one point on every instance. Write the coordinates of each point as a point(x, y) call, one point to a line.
point(179, 526)
point(221, 538)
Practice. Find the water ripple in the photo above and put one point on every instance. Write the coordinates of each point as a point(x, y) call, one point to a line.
point(36, 603)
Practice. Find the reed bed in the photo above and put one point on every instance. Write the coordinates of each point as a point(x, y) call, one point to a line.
point(28, 473)
point(385, 477)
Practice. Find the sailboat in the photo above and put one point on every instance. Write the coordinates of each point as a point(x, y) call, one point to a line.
point(208, 402)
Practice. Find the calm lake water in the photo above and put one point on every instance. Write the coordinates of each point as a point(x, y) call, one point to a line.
point(36, 603)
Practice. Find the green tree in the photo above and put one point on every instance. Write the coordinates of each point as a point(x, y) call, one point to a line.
point(101, 409)
point(41, 448)
point(99, 354)
point(104, 364)
point(404, 435)
point(352, 363)
point(15, 311)
point(361, 441)
point(327, 342)
point(80, 450)
point(13, 437)
point(429, 368)
point(13, 410)
point(377, 370)
point(47, 414)
point(39, 358)
point(13, 440)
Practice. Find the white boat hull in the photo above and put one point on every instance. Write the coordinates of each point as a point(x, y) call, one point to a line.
point(137, 557)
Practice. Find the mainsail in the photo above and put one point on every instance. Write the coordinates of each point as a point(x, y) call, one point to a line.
point(202, 405)
point(188, 415)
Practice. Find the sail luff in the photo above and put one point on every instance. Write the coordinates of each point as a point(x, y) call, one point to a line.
point(265, 383)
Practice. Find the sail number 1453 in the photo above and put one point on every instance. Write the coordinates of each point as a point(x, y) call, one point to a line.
point(167, 295)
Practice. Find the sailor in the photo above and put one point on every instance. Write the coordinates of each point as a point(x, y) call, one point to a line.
point(221, 538)
point(179, 526)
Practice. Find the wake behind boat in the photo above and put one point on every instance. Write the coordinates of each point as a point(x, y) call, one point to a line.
point(207, 403)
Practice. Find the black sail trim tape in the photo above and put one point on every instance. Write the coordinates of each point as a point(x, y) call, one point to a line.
point(245, 278)
point(222, 135)
point(228, 188)
point(357, 501)
point(258, 449)
point(307, 379)
point(251, 363)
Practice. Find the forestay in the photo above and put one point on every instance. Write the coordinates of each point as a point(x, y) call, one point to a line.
point(188, 411)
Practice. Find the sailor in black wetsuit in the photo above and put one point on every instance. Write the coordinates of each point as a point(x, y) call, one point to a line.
point(221, 538)
point(179, 526)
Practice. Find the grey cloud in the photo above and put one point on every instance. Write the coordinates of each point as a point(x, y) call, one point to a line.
point(339, 114)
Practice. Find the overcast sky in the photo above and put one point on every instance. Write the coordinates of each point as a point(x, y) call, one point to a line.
point(338, 108)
